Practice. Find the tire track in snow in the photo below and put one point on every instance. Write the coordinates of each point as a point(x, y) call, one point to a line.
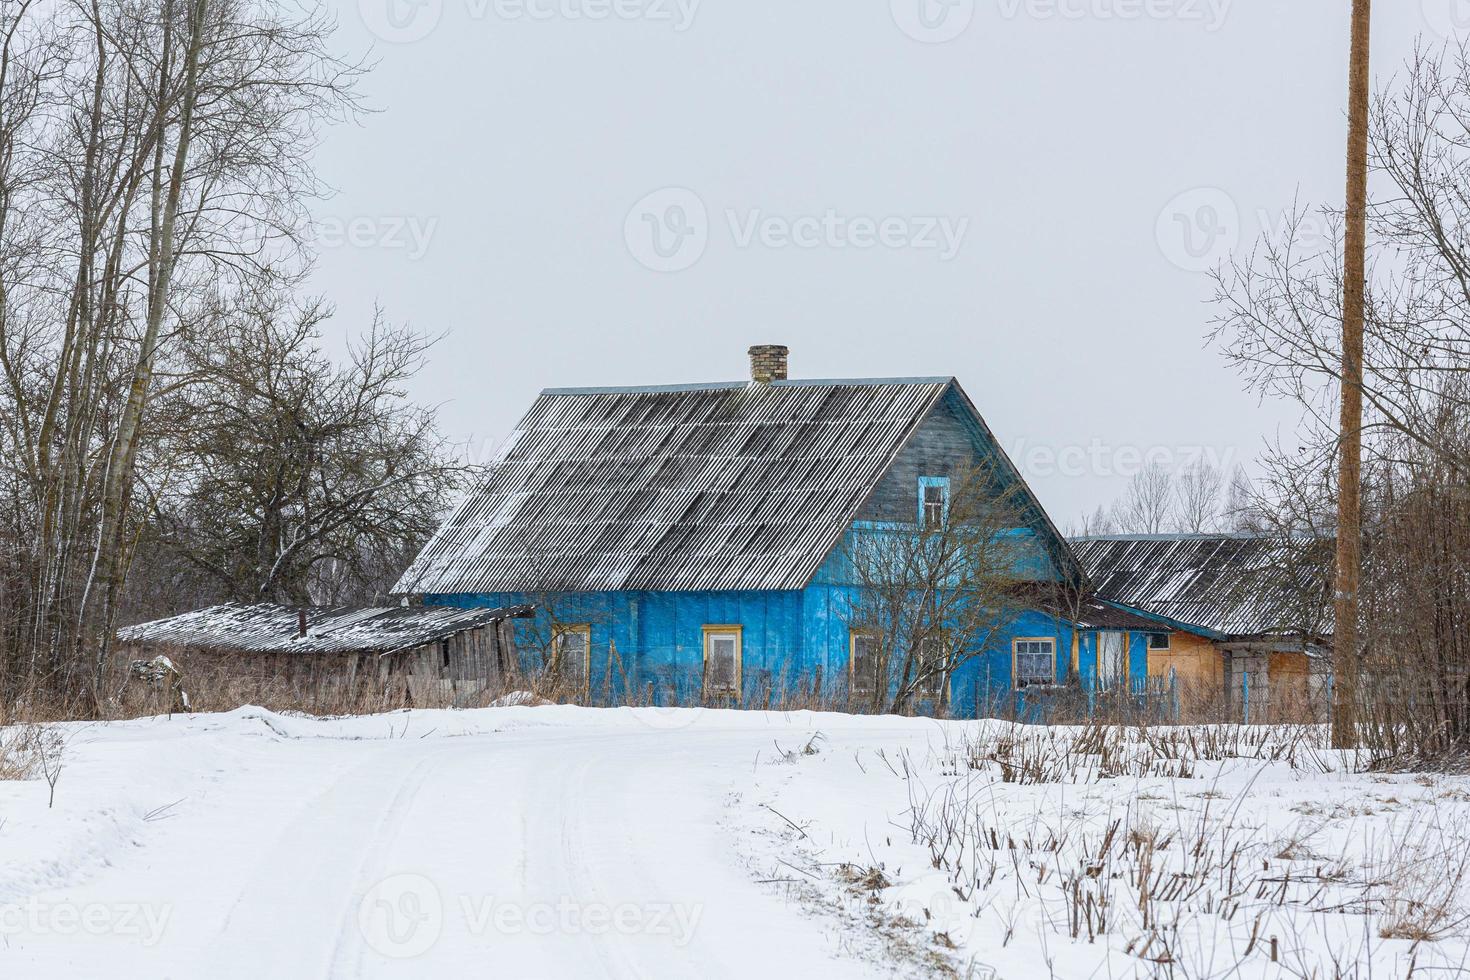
point(347, 953)
point(289, 919)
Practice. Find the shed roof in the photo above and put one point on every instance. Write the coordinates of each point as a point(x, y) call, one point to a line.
point(696, 487)
point(1225, 585)
point(269, 628)
point(1095, 614)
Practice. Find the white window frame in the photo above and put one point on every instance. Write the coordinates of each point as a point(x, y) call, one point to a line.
point(1168, 641)
point(1016, 653)
point(712, 631)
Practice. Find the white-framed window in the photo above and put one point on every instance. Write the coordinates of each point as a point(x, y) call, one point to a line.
point(722, 661)
point(863, 663)
point(1158, 641)
point(1034, 661)
point(573, 653)
point(1112, 658)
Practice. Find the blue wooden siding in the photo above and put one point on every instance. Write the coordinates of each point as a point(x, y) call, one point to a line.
point(942, 446)
point(788, 640)
point(642, 638)
point(791, 639)
point(1136, 650)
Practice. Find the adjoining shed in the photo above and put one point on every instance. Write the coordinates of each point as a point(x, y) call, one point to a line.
point(1252, 618)
point(343, 657)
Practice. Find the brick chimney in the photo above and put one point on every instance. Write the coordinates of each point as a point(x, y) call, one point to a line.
point(768, 363)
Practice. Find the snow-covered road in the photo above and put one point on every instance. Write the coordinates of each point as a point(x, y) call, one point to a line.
point(562, 842)
point(518, 843)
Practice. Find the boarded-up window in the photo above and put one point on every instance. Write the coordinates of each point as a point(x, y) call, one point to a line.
point(1035, 662)
point(722, 661)
point(573, 653)
point(864, 662)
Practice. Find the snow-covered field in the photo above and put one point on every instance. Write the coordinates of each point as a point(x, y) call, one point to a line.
point(569, 842)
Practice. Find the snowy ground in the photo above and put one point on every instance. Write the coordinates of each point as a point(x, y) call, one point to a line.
point(568, 842)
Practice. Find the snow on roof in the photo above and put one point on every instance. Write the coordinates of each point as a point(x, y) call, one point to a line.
point(1098, 615)
point(697, 487)
point(270, 628)
point(710, 486)
point(1229, 585)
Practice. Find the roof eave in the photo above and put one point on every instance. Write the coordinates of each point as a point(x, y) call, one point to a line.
point(1169, 621)
point(1081, 579)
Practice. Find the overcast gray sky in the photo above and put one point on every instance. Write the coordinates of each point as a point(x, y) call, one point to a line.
point(1020, 193)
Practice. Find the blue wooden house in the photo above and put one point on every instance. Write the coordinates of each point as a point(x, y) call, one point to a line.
point(686, 542)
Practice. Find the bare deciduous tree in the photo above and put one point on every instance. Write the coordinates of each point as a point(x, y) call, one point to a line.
point(1197, 504)
point(297, 480)
point(1240, 501)
point(153, 160)
point(931, 596)
point(1099, 522)
point(1281, 320)
point(1148, 505)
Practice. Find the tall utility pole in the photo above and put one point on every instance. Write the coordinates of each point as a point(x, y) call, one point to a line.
point(1350, 434)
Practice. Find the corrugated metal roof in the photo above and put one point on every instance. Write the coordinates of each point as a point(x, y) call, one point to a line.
point(702, 487)
point(1225, 584)
point(1085, 611)
point(270, 628)
point(1097, 615)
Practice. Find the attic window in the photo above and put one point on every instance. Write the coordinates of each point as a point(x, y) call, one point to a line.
point(933, 502)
